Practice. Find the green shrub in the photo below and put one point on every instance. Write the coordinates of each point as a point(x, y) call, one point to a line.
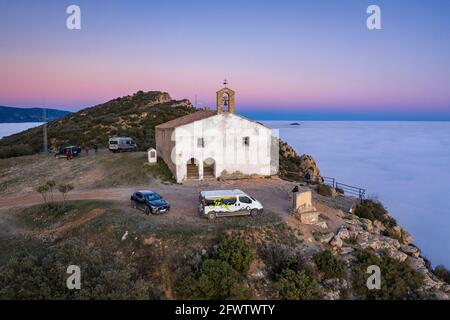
point(324, 190)
point(235, 253)
point(374, 210)
point(328, 264)
point(293, 285)
point(442, 273)
point(211, 279)
point(398, 279)
point(279, 257)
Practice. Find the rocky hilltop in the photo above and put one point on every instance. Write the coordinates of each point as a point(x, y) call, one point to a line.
point(134, 115)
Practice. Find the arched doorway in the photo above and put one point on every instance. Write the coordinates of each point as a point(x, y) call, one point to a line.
point(192, 169)
point(209, 168)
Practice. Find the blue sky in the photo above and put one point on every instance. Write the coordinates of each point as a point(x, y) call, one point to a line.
point(285, 59)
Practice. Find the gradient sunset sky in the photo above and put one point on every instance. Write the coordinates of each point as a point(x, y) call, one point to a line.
point(285, 59)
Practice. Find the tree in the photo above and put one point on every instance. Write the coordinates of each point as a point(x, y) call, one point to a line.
point(51, 185)
point(43, 191)
point(65, 189)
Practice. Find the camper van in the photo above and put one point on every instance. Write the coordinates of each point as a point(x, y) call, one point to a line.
point(119, 144)
point(226, 203)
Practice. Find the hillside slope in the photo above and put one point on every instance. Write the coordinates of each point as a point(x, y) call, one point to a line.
point(16, 115)
point(135, 116)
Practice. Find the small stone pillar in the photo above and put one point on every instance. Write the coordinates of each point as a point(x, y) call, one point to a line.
point(303, 207)
point(152, 156)
point(303, 202)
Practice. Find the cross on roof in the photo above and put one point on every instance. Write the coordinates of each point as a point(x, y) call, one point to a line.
point(225, 82)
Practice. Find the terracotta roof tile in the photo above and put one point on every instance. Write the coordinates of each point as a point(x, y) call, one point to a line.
point(199, 115)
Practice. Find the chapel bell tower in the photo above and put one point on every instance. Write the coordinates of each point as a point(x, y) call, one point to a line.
point(225, 99)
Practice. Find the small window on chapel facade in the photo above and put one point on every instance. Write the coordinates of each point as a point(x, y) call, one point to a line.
point(246, 141)
point(200, 143)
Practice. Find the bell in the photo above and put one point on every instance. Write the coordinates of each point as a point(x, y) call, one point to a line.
point(225, 101)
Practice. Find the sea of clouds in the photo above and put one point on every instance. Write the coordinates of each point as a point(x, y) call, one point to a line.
point(406, 165)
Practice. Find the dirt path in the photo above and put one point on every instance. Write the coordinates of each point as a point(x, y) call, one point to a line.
point(273, 193)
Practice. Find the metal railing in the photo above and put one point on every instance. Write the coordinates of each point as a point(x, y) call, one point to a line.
point(351, 190)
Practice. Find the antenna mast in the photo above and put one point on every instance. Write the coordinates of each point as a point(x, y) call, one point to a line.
point(44, 119)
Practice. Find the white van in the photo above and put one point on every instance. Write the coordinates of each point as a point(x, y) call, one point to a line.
point(226, 203)
point(119, 144)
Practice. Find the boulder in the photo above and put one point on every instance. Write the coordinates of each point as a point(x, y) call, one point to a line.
point(309, 218)
point(391, 242)
point(322, 224)
point(406, 238)
point(397, 231)
point(397, 255)
point(325, 238)
point(418, 264)
point(336, 242)
point(257, 275)
point(343, 233)
point(367, 224)
point(379, 225)
point(363, 237)
point(410, 250)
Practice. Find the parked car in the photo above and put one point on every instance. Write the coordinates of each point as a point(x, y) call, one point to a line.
point(226, 203)
point(150, 202)
point(62, 152)
point(119, 144)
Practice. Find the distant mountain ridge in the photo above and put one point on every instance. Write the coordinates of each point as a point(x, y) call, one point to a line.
point(14, 114)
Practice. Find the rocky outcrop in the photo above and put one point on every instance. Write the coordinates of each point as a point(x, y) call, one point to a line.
point(295, 167)
point(368, 234)
point(308, 167)
point(182, 103)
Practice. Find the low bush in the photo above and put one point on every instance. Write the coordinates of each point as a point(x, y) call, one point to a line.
point(211, 279)
point(235, 253)
point(398, 280)
point(278, 257)
point(374, 210)
point(292, 285)
point(328, 264)
point(324, 190)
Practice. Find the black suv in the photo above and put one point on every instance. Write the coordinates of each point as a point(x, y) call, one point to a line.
point(150, 202)
point(62, 153)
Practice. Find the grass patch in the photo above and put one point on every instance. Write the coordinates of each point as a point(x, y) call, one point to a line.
point(132, 169)
point(45, 215)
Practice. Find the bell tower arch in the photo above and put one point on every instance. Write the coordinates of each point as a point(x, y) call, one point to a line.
point(225, 99)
